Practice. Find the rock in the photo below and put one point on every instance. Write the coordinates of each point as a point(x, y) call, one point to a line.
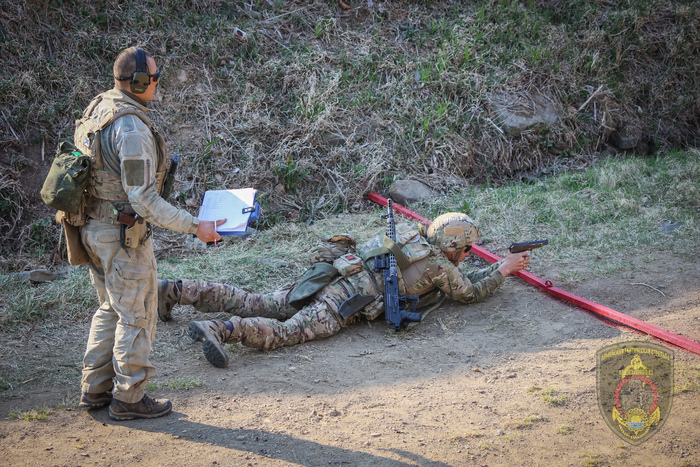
point(516, 113)
point(38, 276)
point(195, 244)
point(621, 139)
point(670, 227)
point(275, 263)
point(334, 139)
point(410, 191)
point(181, 76)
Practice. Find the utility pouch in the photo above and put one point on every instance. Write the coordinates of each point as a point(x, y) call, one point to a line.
point(77, 254)
point(354, 304)
point(348, 264)
point(67, 179)
point(316, 278)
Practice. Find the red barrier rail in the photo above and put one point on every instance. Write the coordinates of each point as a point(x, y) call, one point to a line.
point(546, 286)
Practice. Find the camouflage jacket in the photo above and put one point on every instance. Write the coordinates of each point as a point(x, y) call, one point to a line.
point(435, 273)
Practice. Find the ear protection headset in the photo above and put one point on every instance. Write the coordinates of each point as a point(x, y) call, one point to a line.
point(140, 79)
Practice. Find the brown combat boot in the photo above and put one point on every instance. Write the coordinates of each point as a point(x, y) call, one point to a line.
point(93, 400)
point(169, 293)
point(213, 335)
point(147, 407)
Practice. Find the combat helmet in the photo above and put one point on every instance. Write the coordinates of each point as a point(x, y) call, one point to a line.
point(453, 232)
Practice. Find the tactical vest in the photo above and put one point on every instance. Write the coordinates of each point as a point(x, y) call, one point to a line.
point(411, 251)
point(105, 197)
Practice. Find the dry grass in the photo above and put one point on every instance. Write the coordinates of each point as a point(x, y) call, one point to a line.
point(322, 105)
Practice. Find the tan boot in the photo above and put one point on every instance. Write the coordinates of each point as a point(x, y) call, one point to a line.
point(213, 335)
point(169, 293)
point(147, 407)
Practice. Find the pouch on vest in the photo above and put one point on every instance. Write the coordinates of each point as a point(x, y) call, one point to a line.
point(348, 264)
point(77, 254)
point(316, 278)
point(68, 177)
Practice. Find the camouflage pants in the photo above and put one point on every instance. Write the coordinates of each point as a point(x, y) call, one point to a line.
point(210, 297)
point(266, 321)
point(123, 327)
point(315, 321)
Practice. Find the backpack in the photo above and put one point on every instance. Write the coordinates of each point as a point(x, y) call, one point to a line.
point(67, 179)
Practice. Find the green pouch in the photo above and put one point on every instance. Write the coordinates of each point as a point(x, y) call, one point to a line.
point(316, 278)
point(67, 179)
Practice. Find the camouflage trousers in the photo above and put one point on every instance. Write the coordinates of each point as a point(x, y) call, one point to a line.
point(210, 297)
point(266, 321)
point(123, 327)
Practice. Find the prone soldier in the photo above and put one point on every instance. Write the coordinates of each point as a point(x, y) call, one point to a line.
point(317, 306)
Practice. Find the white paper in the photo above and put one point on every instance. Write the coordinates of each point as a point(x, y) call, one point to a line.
point(229, 205)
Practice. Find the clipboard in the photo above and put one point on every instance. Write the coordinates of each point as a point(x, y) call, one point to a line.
point(237, 206)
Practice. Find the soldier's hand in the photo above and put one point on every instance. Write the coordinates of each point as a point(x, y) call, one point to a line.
point(206, 231)
point(514, 262)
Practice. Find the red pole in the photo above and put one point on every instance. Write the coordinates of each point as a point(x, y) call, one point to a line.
point(546, 286)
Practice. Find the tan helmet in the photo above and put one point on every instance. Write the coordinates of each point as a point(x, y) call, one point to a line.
point(453, 232)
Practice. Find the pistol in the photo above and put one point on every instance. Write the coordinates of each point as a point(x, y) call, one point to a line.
point(519, 247)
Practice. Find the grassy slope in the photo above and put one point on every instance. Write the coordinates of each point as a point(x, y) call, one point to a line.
point(324, 104)
point(613, 210)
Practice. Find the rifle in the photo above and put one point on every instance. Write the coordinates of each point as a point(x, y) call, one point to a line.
point(520, 247)
point(395, 306)
point(170, 177)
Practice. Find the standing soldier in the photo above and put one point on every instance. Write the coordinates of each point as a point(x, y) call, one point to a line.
point(123, 198)
point(310, 310)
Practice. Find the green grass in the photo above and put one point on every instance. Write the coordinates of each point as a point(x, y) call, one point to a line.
point(39, 413)
point(566, 429)
point(612, 210)
point(522, 423)
point(247, 106)
point(177, 384)
point(686, 379)
point(71, 296)
point(552, 397)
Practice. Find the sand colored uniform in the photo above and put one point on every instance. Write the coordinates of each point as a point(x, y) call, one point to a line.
point(267, 321)
point(126, 179)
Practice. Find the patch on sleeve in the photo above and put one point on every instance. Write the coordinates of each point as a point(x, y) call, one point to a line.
point(134, 172)
point(131, 146)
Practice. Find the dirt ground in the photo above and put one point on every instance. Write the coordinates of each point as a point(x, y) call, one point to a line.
point(463, 388)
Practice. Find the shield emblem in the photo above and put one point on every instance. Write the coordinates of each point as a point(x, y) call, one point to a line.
point(635, 388)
